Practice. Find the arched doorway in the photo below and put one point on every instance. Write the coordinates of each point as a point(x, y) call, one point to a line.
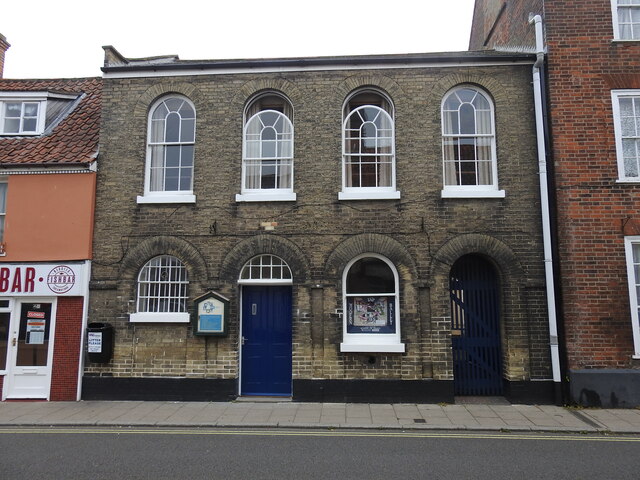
point(266, 340)
point(475, 327)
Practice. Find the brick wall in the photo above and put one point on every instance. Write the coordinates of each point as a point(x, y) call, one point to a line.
point(583, 66)
point(422, 233)
point(64, 378)
point(4, 46)
point(500, 24)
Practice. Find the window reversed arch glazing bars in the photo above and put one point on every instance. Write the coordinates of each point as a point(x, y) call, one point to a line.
point(266, 269)
point(268, 152)
point(627, 13)
point(171, 141)
point(162, 286)
point(468, 139)
point(368, 148)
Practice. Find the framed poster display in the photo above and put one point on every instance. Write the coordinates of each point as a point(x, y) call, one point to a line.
point(371, 314)
point(211, 315)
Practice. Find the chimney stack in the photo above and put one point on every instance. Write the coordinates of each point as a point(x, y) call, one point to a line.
point(4, 46)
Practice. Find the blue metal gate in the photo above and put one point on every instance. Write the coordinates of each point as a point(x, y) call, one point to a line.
point(266, 340)
point(475, 327)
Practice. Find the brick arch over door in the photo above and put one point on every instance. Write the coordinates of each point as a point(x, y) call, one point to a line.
point(505, 259)
point(370, 243)
point(139, 254)
point(513, 283)
point(288, 251)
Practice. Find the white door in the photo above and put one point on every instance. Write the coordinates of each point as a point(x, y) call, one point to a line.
point(30, 352)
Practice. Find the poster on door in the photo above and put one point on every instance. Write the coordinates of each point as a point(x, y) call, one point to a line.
point(36, 326)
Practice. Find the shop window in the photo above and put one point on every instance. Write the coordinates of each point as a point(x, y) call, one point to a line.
point(626, 122)
point(170, 152)
point(371, 320)
point(368, 148)
point(267, 151)
point(468, 144)
point(626, 19)
point(632, 249)
point(162, 291)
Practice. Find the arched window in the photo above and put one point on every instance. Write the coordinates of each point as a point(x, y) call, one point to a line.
point(266, 269)
point(267, 153)
point(371, 317)
point(368, 148)
point(170, 151)
point(162, 291)
point(468, 144)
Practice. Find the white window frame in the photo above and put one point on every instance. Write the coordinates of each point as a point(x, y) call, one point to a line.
point(269, 270)
point(8, 309)
point(616, 21)
point(368, 193)
point(266, 194)
point(23, 98)
point(371, 342)
point(161, 317)
point(166, 196)
point(30, 97)
point(3, 213)
point(634, 286)
point(471, 191)
point(616, 96)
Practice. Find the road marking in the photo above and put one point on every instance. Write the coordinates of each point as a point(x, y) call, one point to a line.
point(313, 433)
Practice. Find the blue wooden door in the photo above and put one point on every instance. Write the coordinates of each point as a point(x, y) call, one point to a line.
point(475, 327)
point(266, 332)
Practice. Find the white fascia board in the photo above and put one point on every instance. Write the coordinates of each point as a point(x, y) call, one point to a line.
point(232, 71)
point(85, 168)
point(21, 95)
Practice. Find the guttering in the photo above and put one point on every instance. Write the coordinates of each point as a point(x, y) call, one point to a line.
point(544, 203)
point(321, 61)
point(136, 68)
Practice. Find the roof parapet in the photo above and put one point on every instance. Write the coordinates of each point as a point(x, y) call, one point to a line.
point(113, 58)
point(4, 46)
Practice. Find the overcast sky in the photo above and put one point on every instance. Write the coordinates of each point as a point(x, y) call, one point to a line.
point(63, 38)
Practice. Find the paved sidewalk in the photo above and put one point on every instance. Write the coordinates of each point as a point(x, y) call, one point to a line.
point(320, 415)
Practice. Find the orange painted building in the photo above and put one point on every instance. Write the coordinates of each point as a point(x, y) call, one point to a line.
point(48, 149)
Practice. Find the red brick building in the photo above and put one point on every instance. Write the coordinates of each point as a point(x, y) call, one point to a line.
point(592, 63)
point(48, 146)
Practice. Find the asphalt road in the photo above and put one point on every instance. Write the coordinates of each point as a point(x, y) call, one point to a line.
point(154, 453)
